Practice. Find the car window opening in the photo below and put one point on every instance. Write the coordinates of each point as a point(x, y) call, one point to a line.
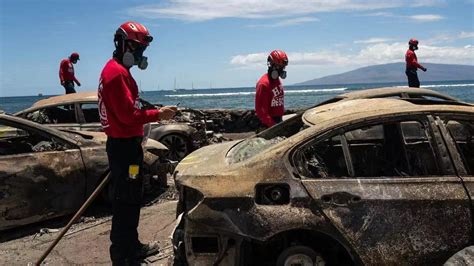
point(17, 141)
point(383, 150)
point(90, 112)
point(53, 115)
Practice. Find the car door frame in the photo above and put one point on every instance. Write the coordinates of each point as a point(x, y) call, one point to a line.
point(84, 125)
point(321, 186)
point(465, 179)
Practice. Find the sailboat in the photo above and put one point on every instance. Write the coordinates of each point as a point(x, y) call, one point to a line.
point(175, 89)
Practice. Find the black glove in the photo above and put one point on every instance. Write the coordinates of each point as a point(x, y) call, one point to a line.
point(424, 69)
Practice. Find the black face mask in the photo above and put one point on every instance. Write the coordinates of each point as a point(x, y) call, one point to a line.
point(275, 72)
point(135, 57)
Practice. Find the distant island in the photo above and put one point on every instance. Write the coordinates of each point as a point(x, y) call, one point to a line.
point(395, 72)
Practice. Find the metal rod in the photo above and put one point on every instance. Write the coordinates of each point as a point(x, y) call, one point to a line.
point(76, 216)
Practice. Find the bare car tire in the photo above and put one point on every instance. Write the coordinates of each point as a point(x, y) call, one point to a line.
point(461, 258)
point(299, 255)
point(178, 145)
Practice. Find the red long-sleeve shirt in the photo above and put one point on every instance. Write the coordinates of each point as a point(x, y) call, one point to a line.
point(119, 108)
point(269, 100)
point(411, 60)
point(66, 71)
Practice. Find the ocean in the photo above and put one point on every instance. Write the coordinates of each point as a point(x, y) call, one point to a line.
point(243, 98)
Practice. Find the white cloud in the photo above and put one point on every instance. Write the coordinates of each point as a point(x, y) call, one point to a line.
point(420, 3)
point(466, 35)
point(287, 22)
point(447, 54)
point(249, 59)
point(449, 37)
point(416, 18)
point(378, 14)
point(201, 10)
point(426, 18)
point(374, 40)
point(379, 53)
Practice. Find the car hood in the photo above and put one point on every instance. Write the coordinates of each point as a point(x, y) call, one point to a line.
point(208, 171)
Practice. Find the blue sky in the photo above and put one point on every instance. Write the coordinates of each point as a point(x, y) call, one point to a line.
point(225, 43)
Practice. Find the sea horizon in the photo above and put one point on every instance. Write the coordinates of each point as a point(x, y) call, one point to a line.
point(296, 96)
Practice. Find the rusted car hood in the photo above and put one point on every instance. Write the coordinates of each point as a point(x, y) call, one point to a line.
point(208, 171)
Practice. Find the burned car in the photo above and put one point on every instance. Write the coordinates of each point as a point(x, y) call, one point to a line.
point(79, 111)
point(46, 173)
point(364, 181)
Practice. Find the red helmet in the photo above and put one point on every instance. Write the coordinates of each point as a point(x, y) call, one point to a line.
point(74, 56)
point(413, 42)
point(277, 57)
point(134, 31)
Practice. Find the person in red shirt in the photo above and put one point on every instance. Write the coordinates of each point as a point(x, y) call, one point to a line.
point(122, 121)
point(66, 73)
point(412, 64)
point(269, 98)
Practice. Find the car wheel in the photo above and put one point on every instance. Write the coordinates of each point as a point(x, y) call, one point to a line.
point(299, 255)
point(463, 257)
point(178, 146)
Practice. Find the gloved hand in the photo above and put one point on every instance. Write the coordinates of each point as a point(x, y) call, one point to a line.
point(78, 83)
point(167, 112)
point(62, 82)
point(424, 69)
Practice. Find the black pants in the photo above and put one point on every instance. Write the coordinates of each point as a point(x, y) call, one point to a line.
point(127, 198)
point(69, 86)
point(412, 76)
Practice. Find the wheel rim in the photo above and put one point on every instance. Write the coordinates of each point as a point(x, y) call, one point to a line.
point(177, 146)
point(299, 259)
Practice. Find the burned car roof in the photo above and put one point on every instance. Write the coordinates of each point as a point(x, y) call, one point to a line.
point(370, 107)
point(62, 99)
point(394, 91)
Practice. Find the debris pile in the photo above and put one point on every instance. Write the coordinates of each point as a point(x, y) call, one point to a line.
point(232, 121)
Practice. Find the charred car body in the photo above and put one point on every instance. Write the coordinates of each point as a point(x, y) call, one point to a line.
point(365, 181)
point(79, 111)
point(46, 173)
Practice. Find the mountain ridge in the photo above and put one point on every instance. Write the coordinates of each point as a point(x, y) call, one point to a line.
point(395, 72)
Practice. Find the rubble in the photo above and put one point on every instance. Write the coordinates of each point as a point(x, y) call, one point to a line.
point(234, 120)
